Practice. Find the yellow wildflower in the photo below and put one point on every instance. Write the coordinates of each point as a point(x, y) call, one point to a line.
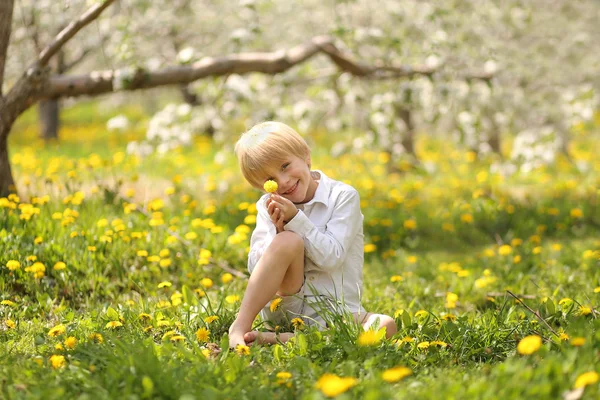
point(587, 378)
point(270, 186)
point(10, 324)
point(7, 303)
point(232, 299)
point(576, 213)
point(70, 342)
point(578, 341)
point(410, 224)
point(370, 337)
point(211, 319)
point(57, 361)
point(113, 324)
point(275, 304)
point(396, 278)
point(395, 374)
point(57, 331)
point(298, 323)
point(226, 278)
point(369, 248)
point(96, 338)
point(333, 385)
point(164, 284)
point(59, 266)
point(529, 344)
point(585, 310)
point(206, 282)
point(202, 335)
point(13, 265)
point(423, 345)
point(242, 350)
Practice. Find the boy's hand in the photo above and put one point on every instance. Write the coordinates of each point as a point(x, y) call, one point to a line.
point(287, 207)
point(276, 215)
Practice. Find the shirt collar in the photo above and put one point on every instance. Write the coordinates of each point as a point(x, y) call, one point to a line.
point(322, 192)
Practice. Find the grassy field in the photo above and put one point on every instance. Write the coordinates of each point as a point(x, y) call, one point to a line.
point(119, 276)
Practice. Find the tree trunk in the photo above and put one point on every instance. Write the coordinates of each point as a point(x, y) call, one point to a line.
point(49, 115)
point(408, 140)
point(7, 184)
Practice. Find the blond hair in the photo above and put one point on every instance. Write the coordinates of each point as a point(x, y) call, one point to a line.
point(265, 145)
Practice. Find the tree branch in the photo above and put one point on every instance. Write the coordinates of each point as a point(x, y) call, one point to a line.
point(71, 30)
point(6, 12)
point(84, 53)
point(276, 62)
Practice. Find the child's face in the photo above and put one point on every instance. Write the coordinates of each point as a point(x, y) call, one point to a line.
point(293, 179)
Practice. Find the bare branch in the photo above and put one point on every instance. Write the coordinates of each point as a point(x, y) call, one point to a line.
point(84, 53)
point(6, 12)
point(99, 82)
point(535, 313)
point(71, 30)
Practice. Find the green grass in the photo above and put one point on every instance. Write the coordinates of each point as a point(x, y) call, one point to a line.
point(447, 246)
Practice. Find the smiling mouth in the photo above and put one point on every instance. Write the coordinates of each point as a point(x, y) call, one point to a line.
point(293, 188)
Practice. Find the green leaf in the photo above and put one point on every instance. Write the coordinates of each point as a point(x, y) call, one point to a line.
point(277, 352)
point(188, 296)
point(112, 314)
point(405, 318)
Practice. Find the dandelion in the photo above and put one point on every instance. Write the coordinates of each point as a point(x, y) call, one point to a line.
point(451, 299)
point(211, 319)
point(505, 250)
point(369, 248)
point(298, 323)
point(59, 266)
point(270, 186)
point(70, 342)
point(96, 338)
point(423, 345)
point(529, 344)
point(57, 361)
point(242, 350)
point(395, 374)
point(7, 303)
point(563, 337)
point(597, 289)
point(232, 298)
point(578, 341)
point(275, 304)
point(396, 278)
point(142, 253)
point(206, 282)
point(177, 338)
point(164, 284)
point(145, 316)
point(57, 331)
point(410, 224)
point(333, 385)
point(202, 335)
point(59, 347)
point(226, 278)
point(466, 218)
point(283, 377)
point(10, 324)
point(587, 378)
point(113, 325)
point(13, 265)
point(585, 310)
point(164, 263)
point(576, 213)
point(370, 337)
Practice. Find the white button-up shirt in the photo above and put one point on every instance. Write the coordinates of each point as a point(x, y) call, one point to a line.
point(331, 225)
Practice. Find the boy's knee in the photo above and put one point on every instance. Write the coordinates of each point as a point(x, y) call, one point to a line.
point(288, 241)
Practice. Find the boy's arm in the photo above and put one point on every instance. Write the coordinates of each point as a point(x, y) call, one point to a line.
point(262, 236)
point(328, 249)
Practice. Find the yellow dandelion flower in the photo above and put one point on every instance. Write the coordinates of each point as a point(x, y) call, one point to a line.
point(529, 344)
point(587, 378)
point(369, 248)
point(177, 338)
point(597, 289)
point(7, 303)
point(466, 218)
point(164, 284)
point(242, 350)
point(395, 374)
point(164, 263)
point(333, 385)
point(563, 337)
point(275, 304)
point(57, 331)
point(13, 265)
point(113, 325)
point(211, 319)
point(10, 324)
point(59, 347)
point(206, 282)
point(410, 224)
point(423, 345)
point(232, 298)
point(577, 342)
point(370, 337)
point(202, 335)
point(145, 316)
point(576, 213)
point(298, 323)
point(270, 186)
point(96, 338)
point(226, 278)
point(57, 361)
point(396, 278)
point(70, 342)
point(584, 310)
point(60, 266)
point(142, 253)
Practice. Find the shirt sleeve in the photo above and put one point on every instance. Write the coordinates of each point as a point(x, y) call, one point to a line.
point(262, 236)
point(328, 249)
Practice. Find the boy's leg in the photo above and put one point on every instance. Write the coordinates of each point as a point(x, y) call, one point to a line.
point(368, 319)
point(279, 270)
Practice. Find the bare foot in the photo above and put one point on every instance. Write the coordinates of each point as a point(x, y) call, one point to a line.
point(256, 337)
point(236, 336)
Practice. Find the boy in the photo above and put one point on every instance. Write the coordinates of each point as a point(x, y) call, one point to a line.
point(307, 247)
